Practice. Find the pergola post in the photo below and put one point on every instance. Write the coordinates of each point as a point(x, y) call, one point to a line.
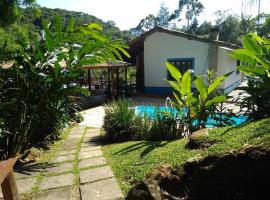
point(113, 83)
point(89, 80)
point(117, 83)
point(109, 83)
point(126, 80)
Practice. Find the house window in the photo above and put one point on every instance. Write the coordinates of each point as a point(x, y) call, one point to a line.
point(182, 64)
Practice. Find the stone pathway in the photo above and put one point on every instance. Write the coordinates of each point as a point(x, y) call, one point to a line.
point(77, 171)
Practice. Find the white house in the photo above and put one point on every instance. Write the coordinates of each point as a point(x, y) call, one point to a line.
point(153, 49)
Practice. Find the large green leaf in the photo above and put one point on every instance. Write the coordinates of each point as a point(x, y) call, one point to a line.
point(58, 29)
point(244, 55)
point(251, 44)
point(186, 83)
point(215, 100)
point(201, 88)
point(217, 82)
point(95, 26)
point(252, 70)
point(175, 85)
point(175, 73)
point(70, 27)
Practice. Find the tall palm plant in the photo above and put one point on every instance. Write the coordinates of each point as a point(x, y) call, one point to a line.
point(34, 91)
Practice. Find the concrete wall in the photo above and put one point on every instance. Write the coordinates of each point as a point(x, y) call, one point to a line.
point(159, 47)
point(225, 65)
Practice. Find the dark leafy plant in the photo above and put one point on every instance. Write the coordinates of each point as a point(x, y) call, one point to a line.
point(255, 56)
point(35, 90)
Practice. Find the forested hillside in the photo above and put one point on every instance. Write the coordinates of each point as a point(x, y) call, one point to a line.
point(110, 28)
point(29, 22)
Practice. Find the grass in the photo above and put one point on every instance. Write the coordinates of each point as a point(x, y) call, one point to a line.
point(132, 160)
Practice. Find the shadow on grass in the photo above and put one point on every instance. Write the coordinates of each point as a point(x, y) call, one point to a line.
point(148, 146)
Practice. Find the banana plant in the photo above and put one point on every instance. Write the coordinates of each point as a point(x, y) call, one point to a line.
point(34, 92)
point(255, 56)
point(195, 104)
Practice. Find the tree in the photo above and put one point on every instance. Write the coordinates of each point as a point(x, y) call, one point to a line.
point(162, 19)
point(229, 25)
point(163, 16)
point(264, 28)
point(9, 10)
point(204, 29)
point(193, 8)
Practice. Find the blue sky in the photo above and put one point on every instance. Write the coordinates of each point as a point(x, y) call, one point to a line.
point(127, 13)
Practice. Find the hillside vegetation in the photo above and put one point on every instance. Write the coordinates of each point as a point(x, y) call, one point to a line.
point(29, 24)
point(131, 161)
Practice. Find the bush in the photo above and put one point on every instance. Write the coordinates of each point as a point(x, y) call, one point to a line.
point(119, 120)
point(164, 126)
point(35, 90)
point(121, 123)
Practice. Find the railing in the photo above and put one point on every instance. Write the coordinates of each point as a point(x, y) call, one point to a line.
point(7, 179)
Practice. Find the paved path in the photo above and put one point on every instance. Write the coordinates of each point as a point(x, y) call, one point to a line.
point(77, 171)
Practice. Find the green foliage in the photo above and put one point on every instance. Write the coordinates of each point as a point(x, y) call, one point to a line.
point(199, 104)
point(192, 8)
point(119, 121)
point(10, 10)
point(122, 123)
point(255, 58)
point(163, 127)
point(132, 161)
point(34, 92)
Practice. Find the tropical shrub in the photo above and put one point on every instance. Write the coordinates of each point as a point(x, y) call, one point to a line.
point(35, 90)
point(119, 120)
point(197, 105)
point(164, 126)
point(122, 123)
point(255, 55)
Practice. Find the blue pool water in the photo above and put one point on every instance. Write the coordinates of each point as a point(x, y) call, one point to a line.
point(150, 112)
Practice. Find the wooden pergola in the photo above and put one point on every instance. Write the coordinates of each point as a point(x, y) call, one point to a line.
point(113, 69)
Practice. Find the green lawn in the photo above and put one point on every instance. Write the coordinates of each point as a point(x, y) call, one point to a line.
point(131, 161)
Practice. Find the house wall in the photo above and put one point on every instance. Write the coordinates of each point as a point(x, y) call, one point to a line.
point(159, 47)
point(225, 65)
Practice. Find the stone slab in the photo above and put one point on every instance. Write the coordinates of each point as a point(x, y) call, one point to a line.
point(90, 144)
point(90, 154)
point(51, 182)
point(75, 136)
point(95, 174)
point(24, 185)
point(58, 167)
point(92, 162)
point(63, 158)
point(68, 193)
point(90, 148)
point(101, 190)
point(68, 146)
point(65, 152)
point(28, 171)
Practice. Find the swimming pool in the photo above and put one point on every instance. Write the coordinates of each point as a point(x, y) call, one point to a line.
point(150, 112)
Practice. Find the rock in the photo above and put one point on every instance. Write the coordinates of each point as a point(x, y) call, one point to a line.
point(31, 155)
point(200, 139)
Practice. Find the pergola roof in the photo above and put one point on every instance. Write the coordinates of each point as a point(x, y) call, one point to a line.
point(108, 65)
